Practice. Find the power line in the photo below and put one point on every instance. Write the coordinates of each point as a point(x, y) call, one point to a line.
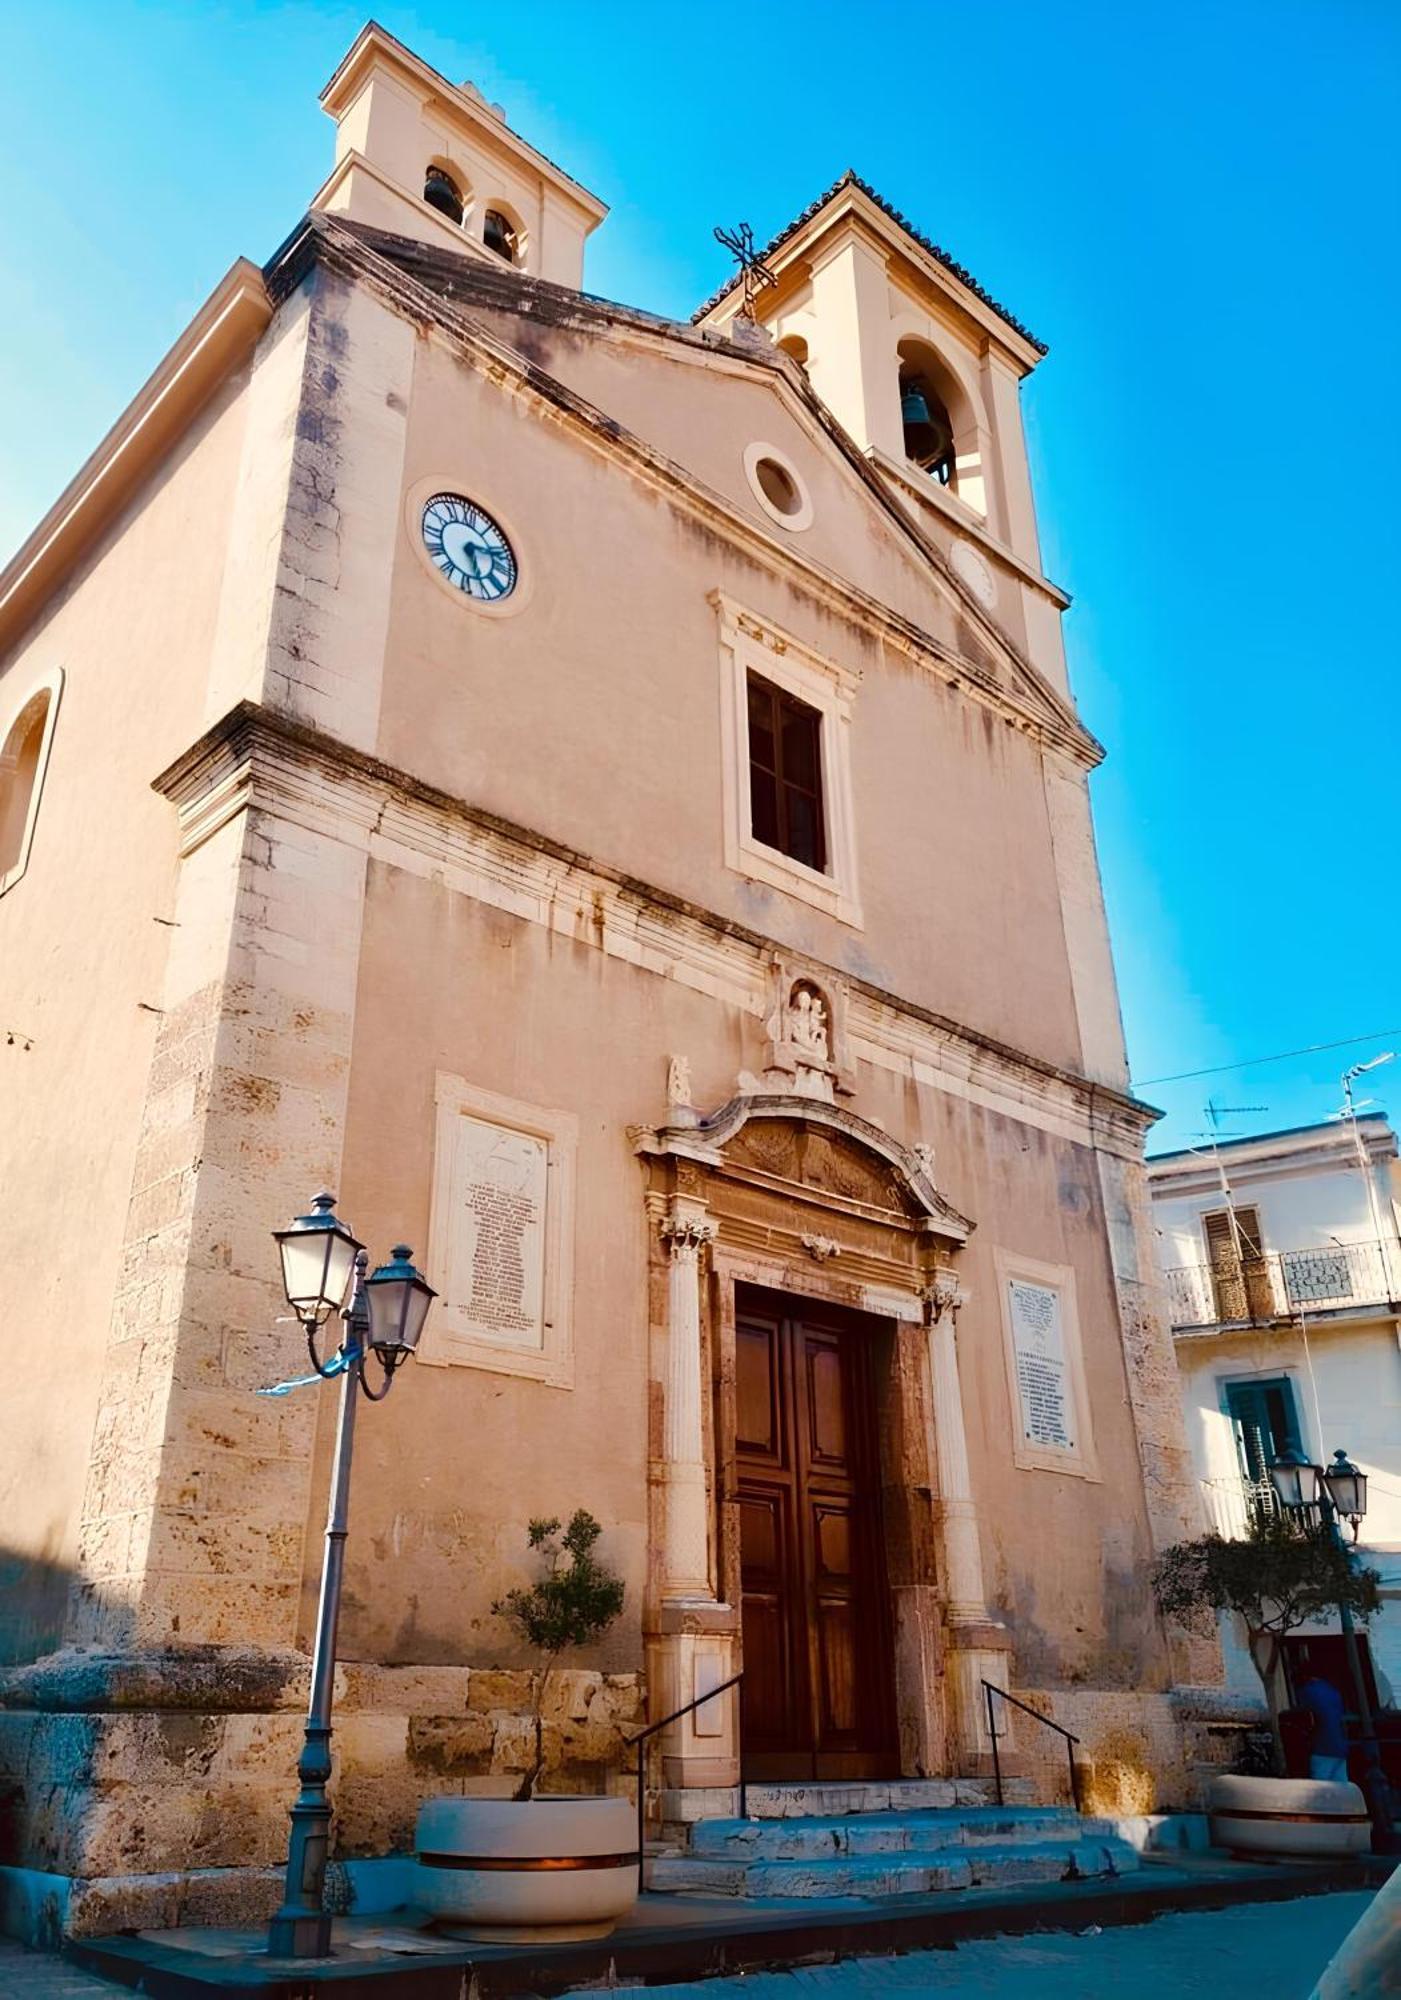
point(1285, 1055)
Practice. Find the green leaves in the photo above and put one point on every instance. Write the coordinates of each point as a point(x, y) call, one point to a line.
point(1283, 1576)
point(576, 1599)
point(573, 1602)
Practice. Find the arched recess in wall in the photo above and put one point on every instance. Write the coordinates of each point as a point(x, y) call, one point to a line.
point(939, 421)
point(24, 756)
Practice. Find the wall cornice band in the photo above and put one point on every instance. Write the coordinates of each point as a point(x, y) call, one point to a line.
point(256, 758)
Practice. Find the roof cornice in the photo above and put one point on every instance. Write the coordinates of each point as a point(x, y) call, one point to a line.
point(214, 343)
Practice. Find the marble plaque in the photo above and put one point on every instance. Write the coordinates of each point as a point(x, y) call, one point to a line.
point(496, 1281)
point(1043, 1376)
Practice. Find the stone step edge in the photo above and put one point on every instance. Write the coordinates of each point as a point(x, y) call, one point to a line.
point(724, 1877)
point(839, 1798)
point(760, 1840)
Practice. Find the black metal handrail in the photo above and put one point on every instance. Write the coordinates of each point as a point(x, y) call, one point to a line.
point(639, 1743)
point(990, 1688)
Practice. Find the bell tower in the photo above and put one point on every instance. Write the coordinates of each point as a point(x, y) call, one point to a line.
point(434, 160)
point(923, 370)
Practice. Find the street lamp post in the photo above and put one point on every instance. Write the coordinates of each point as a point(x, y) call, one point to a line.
point(320, 1261)
point(1340, 1490)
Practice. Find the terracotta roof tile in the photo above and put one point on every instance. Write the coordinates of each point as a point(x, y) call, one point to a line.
point(852, 179)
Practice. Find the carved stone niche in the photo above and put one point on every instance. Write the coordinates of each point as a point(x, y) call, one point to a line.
point(807, 1050)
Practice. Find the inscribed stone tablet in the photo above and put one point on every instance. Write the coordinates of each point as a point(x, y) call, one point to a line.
point(497, 1279)
point(1042, 1375)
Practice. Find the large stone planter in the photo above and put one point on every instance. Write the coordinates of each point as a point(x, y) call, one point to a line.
point(550, 1868)
point(1291, 1816)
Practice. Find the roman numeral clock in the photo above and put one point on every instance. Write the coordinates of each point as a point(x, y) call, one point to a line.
point(468, 547)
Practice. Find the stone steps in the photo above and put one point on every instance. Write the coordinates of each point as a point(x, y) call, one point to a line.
point(877, 1795)
point(887, 1833)
point(888, 1853)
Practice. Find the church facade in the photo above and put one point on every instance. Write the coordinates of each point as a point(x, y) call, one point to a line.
point(604, 796)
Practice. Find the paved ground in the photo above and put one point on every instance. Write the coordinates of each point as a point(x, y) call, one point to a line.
point(1264, 1949)
point(1273, 1949)
point(35, 1975)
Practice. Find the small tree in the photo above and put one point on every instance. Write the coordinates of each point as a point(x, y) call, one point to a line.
point(1281, 1576)
point(572, 1603)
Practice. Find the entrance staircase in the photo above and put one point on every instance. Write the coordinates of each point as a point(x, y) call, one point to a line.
point(906, 1838)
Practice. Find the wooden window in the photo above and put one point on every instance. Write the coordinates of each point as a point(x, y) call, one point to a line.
point(1239, 1273)
point(785, 774)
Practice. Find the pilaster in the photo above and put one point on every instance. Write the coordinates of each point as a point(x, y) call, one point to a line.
point(692, 1648)
point(854, 366)
point(1170, 1488)
point(977, 1645)
point(197, 1496)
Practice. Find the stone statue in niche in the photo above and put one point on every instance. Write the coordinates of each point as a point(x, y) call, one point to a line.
point(807, 1024)
point(806, 1034)
point(680, 1110)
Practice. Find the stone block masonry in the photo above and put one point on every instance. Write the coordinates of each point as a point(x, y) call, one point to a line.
point(168, 1813)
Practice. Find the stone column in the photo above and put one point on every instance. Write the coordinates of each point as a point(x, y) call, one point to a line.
point(685, 1565)
point(693, 1649)
point(977, 1643)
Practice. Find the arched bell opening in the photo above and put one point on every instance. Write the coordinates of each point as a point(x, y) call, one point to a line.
point(502, 234)
point(442, 192)
point(926, 421)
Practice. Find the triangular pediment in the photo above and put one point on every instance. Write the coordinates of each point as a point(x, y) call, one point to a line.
point(614, 382)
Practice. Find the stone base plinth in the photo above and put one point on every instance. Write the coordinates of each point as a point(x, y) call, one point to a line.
point(134, 1788)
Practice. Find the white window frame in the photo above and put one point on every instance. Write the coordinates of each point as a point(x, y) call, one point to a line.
point(52, 683)
point(1082, 1461)
point(750, 644)
point(448, 1338)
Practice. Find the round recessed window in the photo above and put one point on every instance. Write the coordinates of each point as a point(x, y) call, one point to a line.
point(467, 547)
point(778, 485)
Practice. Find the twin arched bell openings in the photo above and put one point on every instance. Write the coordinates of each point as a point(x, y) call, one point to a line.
point(501, 229)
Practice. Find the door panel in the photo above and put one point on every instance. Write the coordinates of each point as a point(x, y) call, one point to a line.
point(817, 1696)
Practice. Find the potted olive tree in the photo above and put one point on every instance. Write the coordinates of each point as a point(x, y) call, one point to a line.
point(538, 1864)
point(1280, 1577)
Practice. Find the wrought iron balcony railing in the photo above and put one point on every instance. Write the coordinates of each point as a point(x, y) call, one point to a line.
point(1235, 1506)
point(1281, 1284)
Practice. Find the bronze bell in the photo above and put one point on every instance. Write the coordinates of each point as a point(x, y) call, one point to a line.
point(913, 408)
point(440, 192)
point(928, 434)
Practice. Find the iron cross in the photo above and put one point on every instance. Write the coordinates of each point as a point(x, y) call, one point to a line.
point(754, 272)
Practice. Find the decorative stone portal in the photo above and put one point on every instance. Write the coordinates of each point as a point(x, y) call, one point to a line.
point(789, 1211)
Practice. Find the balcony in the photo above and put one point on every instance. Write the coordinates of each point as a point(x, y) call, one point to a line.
point(1282, 1285)
point(1234, 1506)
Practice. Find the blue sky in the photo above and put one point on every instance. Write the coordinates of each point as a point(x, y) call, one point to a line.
point(1195, 206)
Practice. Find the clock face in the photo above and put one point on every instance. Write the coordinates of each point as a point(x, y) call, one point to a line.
point(469, 548)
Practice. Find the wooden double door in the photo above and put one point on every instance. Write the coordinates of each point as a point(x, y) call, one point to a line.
point(817, 1700)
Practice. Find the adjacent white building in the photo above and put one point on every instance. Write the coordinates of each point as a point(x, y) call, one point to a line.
point(1282, 1259)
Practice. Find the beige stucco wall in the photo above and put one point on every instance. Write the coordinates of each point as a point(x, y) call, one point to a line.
point(610, 740)
point(455, 1463)
point(83, 944)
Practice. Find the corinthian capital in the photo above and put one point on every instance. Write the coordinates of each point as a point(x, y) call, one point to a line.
point(944, 1294)
point(684, 1234)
